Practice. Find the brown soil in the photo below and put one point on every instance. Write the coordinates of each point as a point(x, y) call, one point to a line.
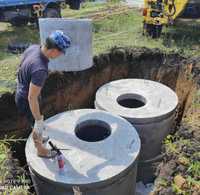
point(175, 170)
point(74, 90)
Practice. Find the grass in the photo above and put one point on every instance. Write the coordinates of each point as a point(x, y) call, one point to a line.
point(9, 62)
point(118, 30)
point(19, 185)
point(3, 156)
point(87, 9)
point(183, 148)
point(194, 168)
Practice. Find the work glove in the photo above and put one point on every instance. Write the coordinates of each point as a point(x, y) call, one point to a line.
point(39, 128)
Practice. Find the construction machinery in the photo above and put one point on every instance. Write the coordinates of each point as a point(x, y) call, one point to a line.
point(157, 13)
point(20, 12)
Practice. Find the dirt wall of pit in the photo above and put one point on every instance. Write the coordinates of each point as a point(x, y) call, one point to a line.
point(72, 90)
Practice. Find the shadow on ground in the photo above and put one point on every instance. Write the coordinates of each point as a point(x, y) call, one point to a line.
point(183, 36)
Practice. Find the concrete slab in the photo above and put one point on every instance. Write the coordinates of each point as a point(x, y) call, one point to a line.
point(159, 100)
point(86, 162)
point(149, 106)
point(79, 56)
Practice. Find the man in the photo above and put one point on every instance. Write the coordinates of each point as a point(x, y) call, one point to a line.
point(32, 74)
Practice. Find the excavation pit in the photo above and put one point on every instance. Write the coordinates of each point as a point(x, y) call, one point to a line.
point(64, 91)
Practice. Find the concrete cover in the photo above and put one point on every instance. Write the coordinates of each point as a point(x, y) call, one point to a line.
point(79, 56)
point(152, 119)
point(86, 162)
point(160, 100)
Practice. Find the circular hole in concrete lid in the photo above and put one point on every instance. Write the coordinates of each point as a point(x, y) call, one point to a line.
point(93, 130)
point(131, 100)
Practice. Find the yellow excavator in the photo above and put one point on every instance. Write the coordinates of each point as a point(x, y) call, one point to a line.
point(157, 13)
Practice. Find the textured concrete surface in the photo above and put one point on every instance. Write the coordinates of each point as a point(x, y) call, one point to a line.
point(152, 120)
point(79, 55)
point(160, 100)
point(120, 185)
point(88, 163)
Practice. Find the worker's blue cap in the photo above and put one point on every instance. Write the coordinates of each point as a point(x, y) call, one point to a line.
point(62, 41)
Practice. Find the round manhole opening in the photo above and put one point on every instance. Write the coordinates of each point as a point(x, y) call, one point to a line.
point(131, 100)
point(92, 130)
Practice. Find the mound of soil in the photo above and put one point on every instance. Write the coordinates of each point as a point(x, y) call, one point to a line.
point(179, 173)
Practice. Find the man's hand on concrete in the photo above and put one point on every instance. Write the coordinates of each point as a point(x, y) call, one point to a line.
point(42, 151)
point(39, 139)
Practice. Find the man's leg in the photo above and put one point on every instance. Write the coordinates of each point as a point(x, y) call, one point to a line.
point(24, 109)
point(38, 140)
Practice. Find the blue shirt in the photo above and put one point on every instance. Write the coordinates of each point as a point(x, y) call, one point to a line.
point(33, 69)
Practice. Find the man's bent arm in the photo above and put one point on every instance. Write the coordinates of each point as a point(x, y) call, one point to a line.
point(34, 92)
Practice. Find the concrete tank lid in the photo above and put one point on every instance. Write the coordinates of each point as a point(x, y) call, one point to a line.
point(86, 162)
point(159, 100)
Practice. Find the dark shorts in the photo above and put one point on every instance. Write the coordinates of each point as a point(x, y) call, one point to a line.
point(24, 109)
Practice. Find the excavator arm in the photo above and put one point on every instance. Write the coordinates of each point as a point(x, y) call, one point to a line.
point(174, 8)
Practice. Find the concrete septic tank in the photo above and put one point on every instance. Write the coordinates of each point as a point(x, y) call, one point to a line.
point(101, 158)
point(149, 106)
point(79, 56)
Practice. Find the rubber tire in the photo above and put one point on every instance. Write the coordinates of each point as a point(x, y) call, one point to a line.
point(17, 48)
point(52, 13)
point(49, 13)
point(74, 4)
point(154, 31)
point(19, 21)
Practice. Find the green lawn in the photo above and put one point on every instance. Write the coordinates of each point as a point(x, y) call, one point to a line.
point(117, 30)
point(9, 62)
